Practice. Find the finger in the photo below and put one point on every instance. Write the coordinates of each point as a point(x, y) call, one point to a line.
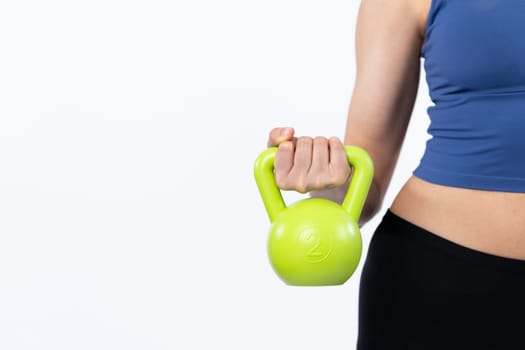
point(320, 156)
point(283, 164)
point(302, 162)
point(339, 167)
point(279, 135)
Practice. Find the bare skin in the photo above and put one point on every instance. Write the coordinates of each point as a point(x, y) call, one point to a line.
point(389, 37)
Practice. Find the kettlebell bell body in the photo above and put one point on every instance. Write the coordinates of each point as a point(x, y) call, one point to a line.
point(315, 241)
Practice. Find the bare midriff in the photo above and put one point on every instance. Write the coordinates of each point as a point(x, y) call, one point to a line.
point(487, 221)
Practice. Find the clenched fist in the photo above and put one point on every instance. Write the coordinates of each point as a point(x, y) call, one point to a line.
point(304, 163)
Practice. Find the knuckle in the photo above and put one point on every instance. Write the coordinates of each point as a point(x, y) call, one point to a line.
point(301, 186)
point(338, 180)
point(282, 179)
point(320, 140)
point(334, 139)
point(340, 176)
point(291, 182)
point(318, 184)
point(320, 144)
point(285, 185)
point(306, 140)
point(302, 189)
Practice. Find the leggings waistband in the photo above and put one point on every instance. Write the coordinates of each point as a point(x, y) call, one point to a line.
point(399, 226)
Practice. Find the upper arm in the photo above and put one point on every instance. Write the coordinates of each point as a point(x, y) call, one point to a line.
point(389, 36)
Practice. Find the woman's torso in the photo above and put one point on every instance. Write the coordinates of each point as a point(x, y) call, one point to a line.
point(480, 218)
point(489, 221)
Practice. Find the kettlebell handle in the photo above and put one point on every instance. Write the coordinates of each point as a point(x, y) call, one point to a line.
point(354, 199)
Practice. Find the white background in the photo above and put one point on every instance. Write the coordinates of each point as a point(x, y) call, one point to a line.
point(129, 217)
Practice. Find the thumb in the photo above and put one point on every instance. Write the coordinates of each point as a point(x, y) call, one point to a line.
point(280, 135)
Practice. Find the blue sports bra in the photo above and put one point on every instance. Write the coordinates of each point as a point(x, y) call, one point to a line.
point(474, 58)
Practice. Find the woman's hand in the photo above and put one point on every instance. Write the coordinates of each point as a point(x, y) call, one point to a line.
point(304, 163)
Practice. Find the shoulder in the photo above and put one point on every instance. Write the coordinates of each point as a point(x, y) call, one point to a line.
point(411, 12)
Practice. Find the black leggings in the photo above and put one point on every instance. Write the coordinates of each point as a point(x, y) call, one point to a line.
point(421, 291)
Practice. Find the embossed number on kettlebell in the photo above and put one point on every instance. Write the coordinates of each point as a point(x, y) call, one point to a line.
point(318, 248)
point(314, 252)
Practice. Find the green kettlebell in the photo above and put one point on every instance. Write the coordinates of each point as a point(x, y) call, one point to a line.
point(315, 241)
